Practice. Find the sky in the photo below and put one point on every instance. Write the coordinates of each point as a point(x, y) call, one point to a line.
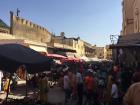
point(91, 20)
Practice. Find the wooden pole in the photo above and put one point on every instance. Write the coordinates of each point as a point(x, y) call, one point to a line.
point(26, 85)
point(8, 87)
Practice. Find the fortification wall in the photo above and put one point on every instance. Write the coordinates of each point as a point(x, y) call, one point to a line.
point(22, 28)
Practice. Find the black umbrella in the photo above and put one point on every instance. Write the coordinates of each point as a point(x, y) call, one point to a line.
point(14, 55)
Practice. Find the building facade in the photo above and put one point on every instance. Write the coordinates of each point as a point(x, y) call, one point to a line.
point(23, 31)
point(131, 16)
point(74, 47)
point(126, 51)
point(99, 52)
point(107, 53)
point(61, 45)
point(128, 18)
point(89, 50)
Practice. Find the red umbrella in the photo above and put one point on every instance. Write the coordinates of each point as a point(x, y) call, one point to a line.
point(71, 60)
point(57, 56)
point(74, 59)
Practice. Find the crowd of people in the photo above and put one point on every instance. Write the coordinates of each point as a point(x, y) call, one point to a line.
point(103, 86)
point(97, 84)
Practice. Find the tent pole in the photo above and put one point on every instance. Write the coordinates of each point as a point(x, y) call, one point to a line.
point(26, 85)
point(8, 87)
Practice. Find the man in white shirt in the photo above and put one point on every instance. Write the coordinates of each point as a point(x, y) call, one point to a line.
point(66, 86)
point(114, 93)
point(66, 82)
point(79, 79)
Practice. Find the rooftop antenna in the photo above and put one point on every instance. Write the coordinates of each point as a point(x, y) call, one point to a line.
point(114, 38)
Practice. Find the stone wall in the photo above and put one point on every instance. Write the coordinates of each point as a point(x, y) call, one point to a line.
point(22, 28)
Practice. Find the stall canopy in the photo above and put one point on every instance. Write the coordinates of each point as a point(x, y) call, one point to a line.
point(14, 55)
point(57, 56)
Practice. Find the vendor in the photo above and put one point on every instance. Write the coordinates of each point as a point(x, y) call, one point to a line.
point(43, 88)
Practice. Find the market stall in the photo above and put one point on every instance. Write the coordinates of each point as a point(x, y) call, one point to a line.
point(14, 55)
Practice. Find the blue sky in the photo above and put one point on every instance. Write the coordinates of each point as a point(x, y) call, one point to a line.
point(92, 20)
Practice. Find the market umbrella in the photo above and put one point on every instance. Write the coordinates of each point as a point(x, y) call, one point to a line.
point(14, 55)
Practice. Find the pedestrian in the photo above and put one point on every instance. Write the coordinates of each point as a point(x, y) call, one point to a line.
point(125, 79)
point(89, 85)
point(136, 75)
point(43, 88)
point(73, 86)
point(132, 96)
point(109, 86)
point(79, 81)
point(114, 93)
point(14, 82)
point(1, 76)
point(67, 87)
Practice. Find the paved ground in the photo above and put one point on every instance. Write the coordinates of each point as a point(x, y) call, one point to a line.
point(55, 94)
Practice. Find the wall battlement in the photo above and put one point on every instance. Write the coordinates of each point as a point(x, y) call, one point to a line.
point(28, 23)
point(29, 30)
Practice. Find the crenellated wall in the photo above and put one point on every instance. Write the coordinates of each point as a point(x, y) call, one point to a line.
point(22, 28)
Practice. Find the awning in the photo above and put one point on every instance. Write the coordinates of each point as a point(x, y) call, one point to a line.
point(38, 48)
point(61, 49)
point(127, 41)
point(123, 46)
point(56, 56)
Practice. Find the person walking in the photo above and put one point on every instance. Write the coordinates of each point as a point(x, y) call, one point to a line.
point(1, 76)
point(89, 85)
point(132, 96)
point(79, 81)
point(114, 93)
point(67, 87)
point(136, 75)
point(43, 88)
point(108, 88)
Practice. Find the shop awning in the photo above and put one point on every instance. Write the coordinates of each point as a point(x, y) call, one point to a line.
point(38, 48)
point(124, 46)
point(127, 41)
